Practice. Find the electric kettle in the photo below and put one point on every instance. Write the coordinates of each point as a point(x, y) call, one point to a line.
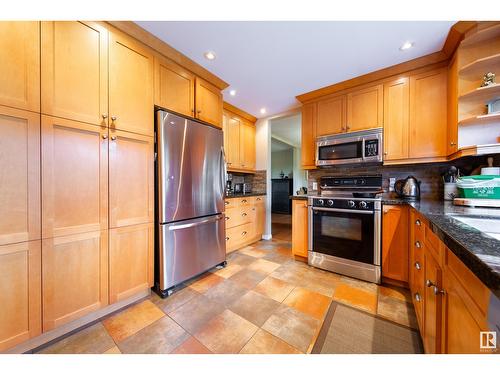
point(409, 188)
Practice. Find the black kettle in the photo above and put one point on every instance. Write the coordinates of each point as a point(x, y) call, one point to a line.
point(409, 188)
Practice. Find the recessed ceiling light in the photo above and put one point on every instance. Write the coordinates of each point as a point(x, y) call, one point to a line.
point(263, 111)
point(232, 92)
point(209, 55)
point(406, 45)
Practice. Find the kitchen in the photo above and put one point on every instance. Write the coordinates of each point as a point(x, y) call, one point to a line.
point(136, 205)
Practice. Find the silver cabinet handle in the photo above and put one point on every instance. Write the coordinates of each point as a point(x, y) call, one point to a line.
point(417, 297)
point(452, 143)
point(438, 291)
point(418, 245)
point(227, 238)
point(104, 136)
point(114, 118)
point(226, 218)
point(429, 283)
point(259, 199)
point(199, 111)
point(195, 224)
point(104, 116)
point(244, 201)
point(418, 222)
point(243, 233)
point(417, 266)
point(113, 137)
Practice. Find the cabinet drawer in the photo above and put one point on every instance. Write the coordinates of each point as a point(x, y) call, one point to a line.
point(239, 202)
point(418, 304)
point(237, 236)
point(238, 215)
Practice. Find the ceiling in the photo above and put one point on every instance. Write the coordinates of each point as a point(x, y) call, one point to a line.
point(269, 63)
point(287, 130)
point(277, 146)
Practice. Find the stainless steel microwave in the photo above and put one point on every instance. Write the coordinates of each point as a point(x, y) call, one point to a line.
point(350, 148)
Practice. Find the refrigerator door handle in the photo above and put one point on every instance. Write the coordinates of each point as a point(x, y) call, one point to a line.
point(196, 223)
point(224, 169)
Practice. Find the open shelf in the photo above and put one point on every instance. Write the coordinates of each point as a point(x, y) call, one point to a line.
point(477, 68)
point(481, 36)
point(480, 120)
point(481, 95)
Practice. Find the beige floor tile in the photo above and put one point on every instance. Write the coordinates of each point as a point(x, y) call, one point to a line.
point(191, 346)
point(129, 321)
point(227, 333)
point(205, 282)
point(395, 292)
point(225, 293)
point(162, 336)
point(256, 253)
point(293, 327)
point(308, 302)
point(196, 312)
point(228, 271)
point(247, 278)
point(240, 259)
point(113, 350)
point(91, 340)
point(265, 343)
point(397, 311)
point(264, 266)
point(357, 297)
point(255, 307)
point(273, 288)
point(370, 287)
point(176, 300)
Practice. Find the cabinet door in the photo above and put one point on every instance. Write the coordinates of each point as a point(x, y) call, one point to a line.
point(131, 267)
point(74, 177)
point(247, 146)
point(395, 243)
point(452, 115)
point(260, 216)
point(365, 108)
point(396, 119)
point(432, 306)
point(232, 141)
point(299, 227)
point(20, 293)
point(208, 103)
point(130, 85)
point(331, 116)
point(131, 179)
point(19, 175)
point(308, 144)
point(20, 65)
point(74, 65)
point(428, 115)
point(174, 87)
point(75, 277)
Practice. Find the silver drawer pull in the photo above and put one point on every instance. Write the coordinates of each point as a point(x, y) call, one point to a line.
point(227, 238)
point(417, 297)
point(226, 203)
point(438, 291)
point(429, 283)
point(417, 265)
point(418, 245)
point(226, 218)
point(244, 201)
point(244, 214)
point(418, 222)
point(243, 233)
point(259, 199)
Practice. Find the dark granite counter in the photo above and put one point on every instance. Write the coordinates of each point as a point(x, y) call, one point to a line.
point(245, 195)
point(299, 197)
point(478, 251)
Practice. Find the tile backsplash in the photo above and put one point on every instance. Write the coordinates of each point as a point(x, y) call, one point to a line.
point(257, 180)
point(430, 174)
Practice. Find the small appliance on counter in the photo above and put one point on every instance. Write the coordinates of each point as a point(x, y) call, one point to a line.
point(478, 191)
point(409, 188)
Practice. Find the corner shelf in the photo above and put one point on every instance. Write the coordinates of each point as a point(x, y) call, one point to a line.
point(477, 68)
point(480, 120)
point(481, 36)
point(481, 95)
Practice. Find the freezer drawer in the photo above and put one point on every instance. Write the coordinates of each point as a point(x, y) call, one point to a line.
point(188, 248)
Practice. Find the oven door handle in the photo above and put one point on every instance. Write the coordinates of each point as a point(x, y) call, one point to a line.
point(343, 210)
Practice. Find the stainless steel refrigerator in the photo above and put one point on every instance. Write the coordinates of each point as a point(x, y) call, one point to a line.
point(190, 175)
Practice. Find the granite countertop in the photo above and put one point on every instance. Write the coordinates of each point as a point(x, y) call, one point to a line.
point(478, 251)
point(299, 197)
point(253, 194)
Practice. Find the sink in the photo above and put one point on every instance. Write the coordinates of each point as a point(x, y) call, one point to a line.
point(489, 226)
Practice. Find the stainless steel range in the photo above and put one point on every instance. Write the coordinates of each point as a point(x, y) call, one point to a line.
point(345, 227)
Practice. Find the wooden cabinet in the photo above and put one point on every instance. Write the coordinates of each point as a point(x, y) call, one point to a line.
point(299, 228)
point(19, 176)
point(308, 134)
point(19, 293)
point(331, 116)
point(452, 115)
point(239, 143)
point(74, 177)
point(395, 243)
point(131, 267)
point(428, 116)
point(365, 108)
point(174, 87)
point(20, 65)
point(432, 307)
point(260, 216)
point(130, 85)
point(232, 140)
point(396, 118)
point(75, 277)
point(208, 102)
point(74, 71)
point(131, 179)
point(247, 145)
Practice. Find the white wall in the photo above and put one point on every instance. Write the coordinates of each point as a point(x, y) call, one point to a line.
point(299, 175)
point(282, 161)
point(263, 162)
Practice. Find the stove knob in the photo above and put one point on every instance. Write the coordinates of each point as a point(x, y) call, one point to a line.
point(362, 204)
point(321, 202)
point(330, 202)
point(351, 204)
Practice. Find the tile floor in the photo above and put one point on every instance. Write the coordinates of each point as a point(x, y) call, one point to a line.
point(262, 302)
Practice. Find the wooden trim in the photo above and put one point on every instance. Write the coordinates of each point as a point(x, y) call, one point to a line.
point(389, 281)
point(239, 112)
point(416, 160)
point(166, 50)
point(456, 35)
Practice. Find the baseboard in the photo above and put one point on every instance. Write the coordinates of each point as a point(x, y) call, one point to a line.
point(267, 237)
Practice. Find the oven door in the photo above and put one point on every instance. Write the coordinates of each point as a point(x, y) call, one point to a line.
point(347, 234)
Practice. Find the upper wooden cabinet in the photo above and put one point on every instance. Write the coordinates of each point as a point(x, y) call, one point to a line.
point(308, 134)
point(20, 295)
point(20, 65)
point(19, 175)
point(174, 87)
point(74, 177)
point(365, 108)
point(74, 71)
point(247, 145)
point(231, 140)
point(130, 85)
point(331, 116)
point(395, 242)
point(428, 116)
point(239, 142)
point(208, 103)
point(396, 118)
